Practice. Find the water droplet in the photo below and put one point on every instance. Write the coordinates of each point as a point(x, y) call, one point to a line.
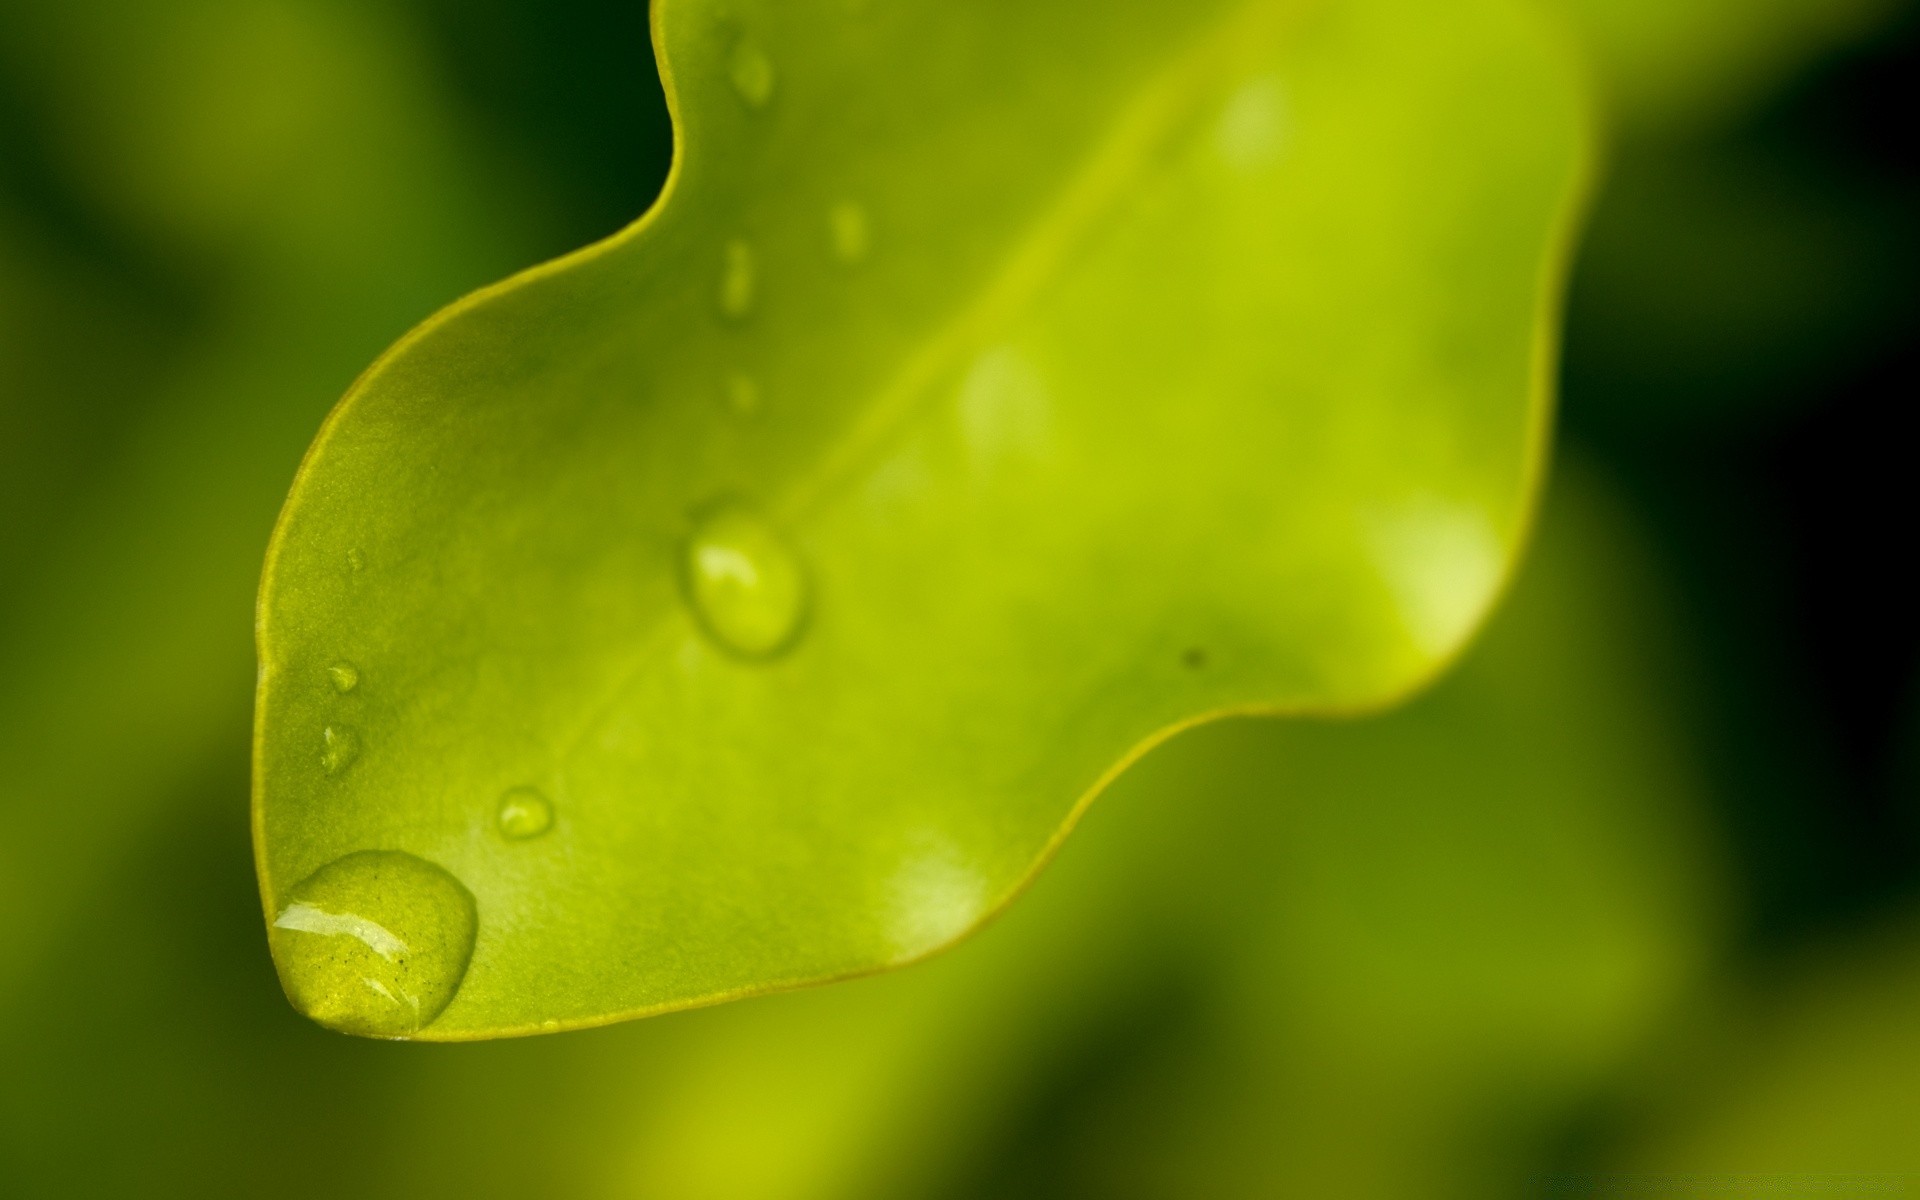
point(738, 283)
point(340, 745)
point(743, 394)
point(345, 676)
point(375, 943)
point(752, 74)
point(356, 560)
point(524, 813)
point(852, 234)
point(745, 583)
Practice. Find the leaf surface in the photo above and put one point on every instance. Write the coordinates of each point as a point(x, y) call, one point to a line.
point(755, 598)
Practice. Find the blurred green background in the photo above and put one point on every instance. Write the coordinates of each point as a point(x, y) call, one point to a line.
point(1629, 902)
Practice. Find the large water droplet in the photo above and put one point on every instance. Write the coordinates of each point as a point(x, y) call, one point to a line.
point(524, 813)
point(752, 74)
point(745, 583)
point(344, 676)
point(339, 747)
point(852, 233)
point(739, 284)
point(375, 943)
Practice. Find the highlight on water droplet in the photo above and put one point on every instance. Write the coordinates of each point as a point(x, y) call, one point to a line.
point(752, 74)
point(851, 233)
point(744, 582)
point(344, 676)
point(738, 279)
point(524, 813)
point(375, 943)
point(743, 394)
point(339, 747)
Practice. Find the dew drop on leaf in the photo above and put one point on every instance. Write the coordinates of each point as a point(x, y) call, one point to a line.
point(524, 814)
point(852, 234)
point(752, 74)
point(738, 282)
point(745, 583)
point(339, 747)
point(375, 943)
point(344, 676)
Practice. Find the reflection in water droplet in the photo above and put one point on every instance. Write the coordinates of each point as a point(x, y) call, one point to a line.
point(738, 284)
point(752, 74)
point(743, 394)
point(745, 583)
point(345, 677)
point(375, 943)
point(340, 746)
point(852, 235)
point(524, 813)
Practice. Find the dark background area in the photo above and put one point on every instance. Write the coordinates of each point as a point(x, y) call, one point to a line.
point(1741, 350)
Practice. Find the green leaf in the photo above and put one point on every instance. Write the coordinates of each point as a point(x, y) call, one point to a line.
point(994, 389)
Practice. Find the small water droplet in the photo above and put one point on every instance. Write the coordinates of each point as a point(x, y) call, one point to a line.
point(745, 583)
point(743, 394)
point(738, 282)
point(340, 746)
point(851, 232)
point(356, 560)
point(375, 943)
point(345, 676)
point(752, 74)
point(524, 813)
